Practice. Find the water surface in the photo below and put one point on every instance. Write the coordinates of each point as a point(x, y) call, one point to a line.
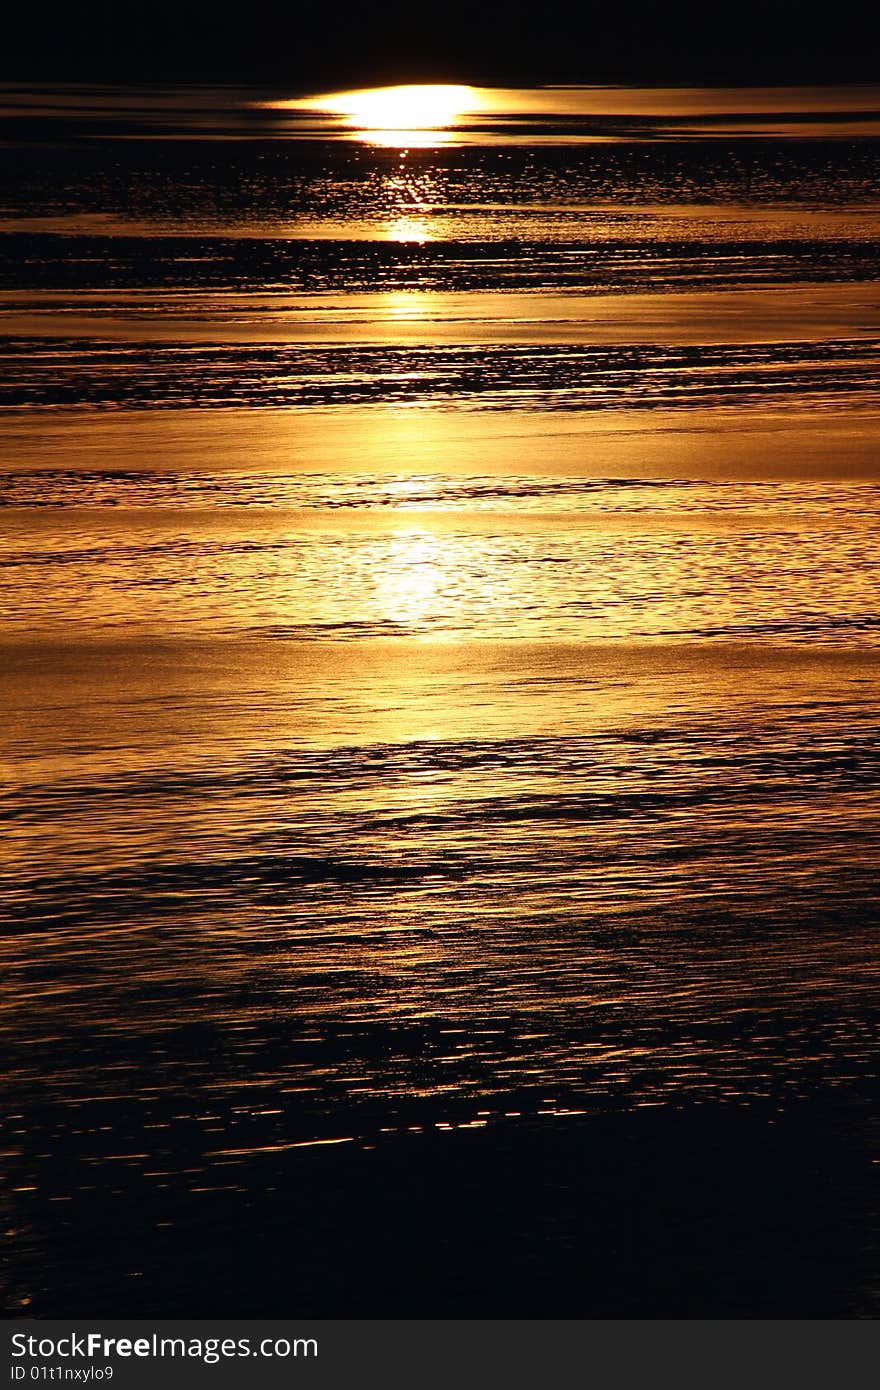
point(439, 672)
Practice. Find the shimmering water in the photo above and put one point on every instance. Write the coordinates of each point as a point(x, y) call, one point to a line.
point(439, 674)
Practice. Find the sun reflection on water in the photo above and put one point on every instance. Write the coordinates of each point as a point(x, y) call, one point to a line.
point(408, 229)
point(415, 116)
point(411, 581)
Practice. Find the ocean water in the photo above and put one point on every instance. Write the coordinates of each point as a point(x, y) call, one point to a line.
point(439, 680)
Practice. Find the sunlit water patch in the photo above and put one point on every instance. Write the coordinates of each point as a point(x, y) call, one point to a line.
point(637, 572)
point(439, 662)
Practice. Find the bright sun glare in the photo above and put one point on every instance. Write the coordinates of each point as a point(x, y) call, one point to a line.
point(402, 108)
point(396, 116)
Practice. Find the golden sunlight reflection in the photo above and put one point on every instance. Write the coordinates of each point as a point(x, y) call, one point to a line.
point(412, 139)
point(429, 116)
point(404, 304)
point(405, 117)
point(408, 229)
point(410, 582)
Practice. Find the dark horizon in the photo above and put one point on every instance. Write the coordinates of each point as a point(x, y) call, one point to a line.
point(269, 42)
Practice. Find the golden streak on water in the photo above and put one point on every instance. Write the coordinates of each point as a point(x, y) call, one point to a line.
point(412, 139)
point(415, 116)
point(433, 115)
point(408, 229)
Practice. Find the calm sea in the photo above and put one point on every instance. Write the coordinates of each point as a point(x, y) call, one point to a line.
point(439, 668)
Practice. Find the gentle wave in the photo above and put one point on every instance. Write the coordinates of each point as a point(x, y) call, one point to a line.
point(126, 376)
